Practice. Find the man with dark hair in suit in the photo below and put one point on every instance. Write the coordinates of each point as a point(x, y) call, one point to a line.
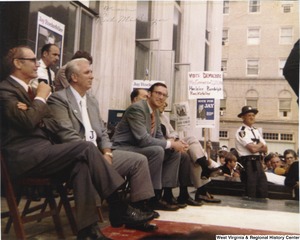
point(78, 111)
point(29, 146)
point(140, 131)
point(138, 94)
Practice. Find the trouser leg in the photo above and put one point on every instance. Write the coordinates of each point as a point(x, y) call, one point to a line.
point(135, 167)
point(170, 169)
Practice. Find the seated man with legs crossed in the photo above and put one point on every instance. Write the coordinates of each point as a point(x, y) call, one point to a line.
point(140, 131)
point(78, 112)
point(194, 166)
point(29, 145)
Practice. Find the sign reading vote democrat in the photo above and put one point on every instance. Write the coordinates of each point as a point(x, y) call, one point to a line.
point(205, 85)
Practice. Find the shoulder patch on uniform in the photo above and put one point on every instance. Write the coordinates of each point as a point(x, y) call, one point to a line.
point(242, 133)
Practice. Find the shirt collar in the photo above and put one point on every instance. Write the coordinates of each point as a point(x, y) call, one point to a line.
point(42, 64)
point(22, 83)
point(150, 109)
point(77, 95)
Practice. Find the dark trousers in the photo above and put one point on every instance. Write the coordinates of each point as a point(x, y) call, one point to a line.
point(255, 179)
point(89, 172)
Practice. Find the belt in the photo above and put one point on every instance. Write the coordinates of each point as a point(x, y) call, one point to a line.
point(251, 158)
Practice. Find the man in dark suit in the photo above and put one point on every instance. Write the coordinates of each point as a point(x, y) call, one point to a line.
point(68, 106)
point(28, 145)
point(140, 131)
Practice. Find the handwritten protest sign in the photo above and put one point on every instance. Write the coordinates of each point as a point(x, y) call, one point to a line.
point(205, 85)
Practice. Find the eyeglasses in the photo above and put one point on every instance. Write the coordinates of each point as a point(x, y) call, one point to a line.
point(160, 94)
point(29, 59)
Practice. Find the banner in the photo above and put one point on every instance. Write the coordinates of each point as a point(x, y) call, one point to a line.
point(205, 85)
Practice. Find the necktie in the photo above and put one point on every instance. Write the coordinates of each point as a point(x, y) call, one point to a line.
point(50, 79)
point(152, 123)
point(90, 134)
point(30, 93)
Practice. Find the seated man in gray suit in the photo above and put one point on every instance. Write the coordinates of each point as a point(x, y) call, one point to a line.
point(29, 146)
point(140, 131)
point(78, 112)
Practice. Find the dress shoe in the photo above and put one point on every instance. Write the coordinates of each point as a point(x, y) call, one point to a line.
point(207, 198)
point(146, 227)
point(189, 201)
point(132, 216)
point(163, 205)
point(91, 232)
point(145, 207)
point(179, 204)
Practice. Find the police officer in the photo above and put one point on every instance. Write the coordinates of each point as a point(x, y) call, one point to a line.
point(251, 146)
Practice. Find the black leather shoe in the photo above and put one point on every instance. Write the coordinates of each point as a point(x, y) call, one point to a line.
point(189, 201)
point(146, 227)
point(91, 232)
point(179, 204)
point(207, 198)
point(163, 205)
point(135, 216)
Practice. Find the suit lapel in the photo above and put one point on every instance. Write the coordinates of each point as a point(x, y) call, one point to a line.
point(74, 105)
point(21, 90)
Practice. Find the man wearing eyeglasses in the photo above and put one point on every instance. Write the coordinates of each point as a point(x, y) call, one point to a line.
point(49, 57)
point(29, 144)
point(140, 131)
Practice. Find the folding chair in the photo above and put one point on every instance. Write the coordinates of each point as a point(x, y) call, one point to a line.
point(38, 212)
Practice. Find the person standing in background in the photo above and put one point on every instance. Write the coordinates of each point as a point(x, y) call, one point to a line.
point(251, 146)
point(50, 56)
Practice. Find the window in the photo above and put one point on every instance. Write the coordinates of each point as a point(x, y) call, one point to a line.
point(251, 102)
point(226, 7)
point(278, 136)
point(281, 66)
point(254, 6)
point(286, 137)
point(79, 32)
point(176, 32)
point(286, 8)
point(223, 134)
point(271, 136)
point(284, 106)
point(224, 66)
point(225, 37)
point(252, 67)
point(286, 35)
point(253, 36)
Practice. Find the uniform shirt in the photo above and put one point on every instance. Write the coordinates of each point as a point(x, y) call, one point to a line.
point(42, 73)
point(244, 136)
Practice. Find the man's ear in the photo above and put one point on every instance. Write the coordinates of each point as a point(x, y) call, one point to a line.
point(17, 63)
point(74, 77)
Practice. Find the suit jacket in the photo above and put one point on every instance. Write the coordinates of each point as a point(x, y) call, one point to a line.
point(66, 111)
point(135, 126)
point(23, 133)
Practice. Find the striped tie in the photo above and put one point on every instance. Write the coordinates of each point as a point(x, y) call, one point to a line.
point(152, 123)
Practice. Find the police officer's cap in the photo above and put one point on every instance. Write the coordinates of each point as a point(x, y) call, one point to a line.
point(247, 109)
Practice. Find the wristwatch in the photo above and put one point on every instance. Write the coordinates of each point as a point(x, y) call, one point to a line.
point(109, 154)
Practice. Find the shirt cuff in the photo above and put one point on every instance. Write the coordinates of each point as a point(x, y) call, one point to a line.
point(41, 99)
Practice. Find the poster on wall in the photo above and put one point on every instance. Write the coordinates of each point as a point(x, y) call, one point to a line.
point(205, 85)
point(205, 113)
point(49, 31)
point(182, 118)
